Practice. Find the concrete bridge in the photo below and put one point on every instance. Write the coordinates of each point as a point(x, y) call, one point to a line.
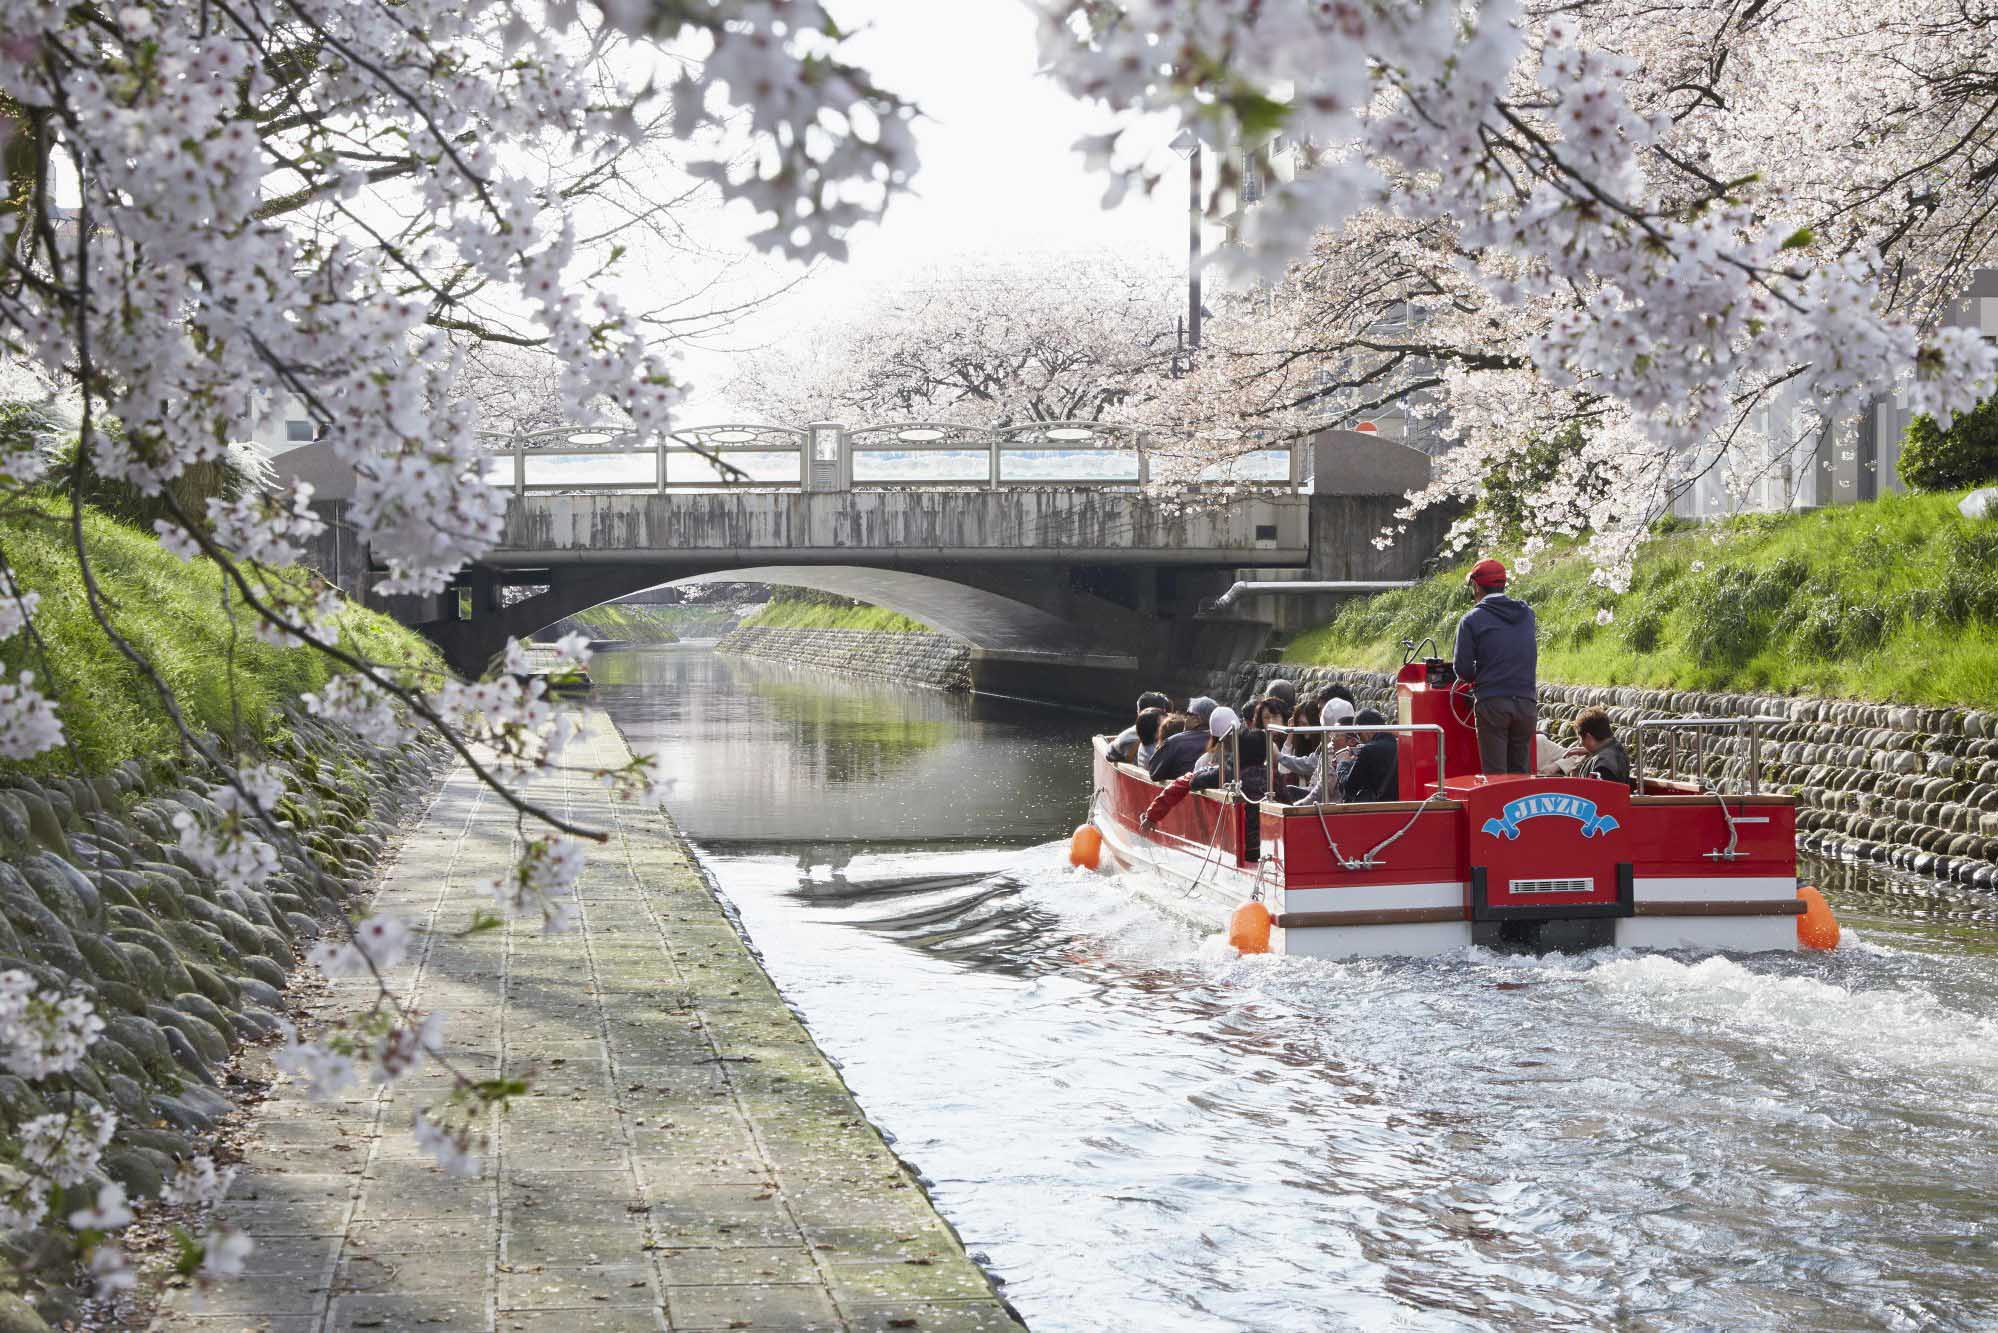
point(1036, 545)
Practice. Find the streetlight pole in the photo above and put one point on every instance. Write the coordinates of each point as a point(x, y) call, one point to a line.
point(1187, 144)
point(1193, 250)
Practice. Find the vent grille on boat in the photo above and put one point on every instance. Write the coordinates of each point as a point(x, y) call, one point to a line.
point(1553, 886)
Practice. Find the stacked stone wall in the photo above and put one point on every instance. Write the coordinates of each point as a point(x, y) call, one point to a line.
point(934, 660)
point(97, 899)
point(1916, 788)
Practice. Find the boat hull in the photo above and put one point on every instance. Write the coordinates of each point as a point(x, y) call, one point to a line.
point(1511, 863)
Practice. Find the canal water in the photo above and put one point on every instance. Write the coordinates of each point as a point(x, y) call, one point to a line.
point(1137, 1131)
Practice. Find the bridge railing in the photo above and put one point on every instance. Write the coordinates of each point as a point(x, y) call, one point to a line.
point(828, 456)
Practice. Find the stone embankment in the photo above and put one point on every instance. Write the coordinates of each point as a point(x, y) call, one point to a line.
point(933, 660)
point(96, 898)
point(1916, 788)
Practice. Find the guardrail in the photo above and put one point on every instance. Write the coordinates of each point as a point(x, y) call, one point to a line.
point(1700, 727)
point(829, 456)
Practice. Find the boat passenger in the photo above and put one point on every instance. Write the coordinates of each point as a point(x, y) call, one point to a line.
point(1174, 724)
point(1269, 710)
point(1606, 757)
point(1328, 765)
point(1147, 727)
point(1284, 690)
point(1255, 778)
point(1497, 655)
point(1220, 725)
point(1178, 755)
point(1551, 759)
point(1124, 749)
point(1373, 776)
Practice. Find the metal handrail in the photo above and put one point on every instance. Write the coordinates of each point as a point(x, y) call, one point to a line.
point(1699, 725)
point(1411, 728)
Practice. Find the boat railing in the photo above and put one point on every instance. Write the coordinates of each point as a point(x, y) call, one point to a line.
point(1700, 729)
point(1369, 729)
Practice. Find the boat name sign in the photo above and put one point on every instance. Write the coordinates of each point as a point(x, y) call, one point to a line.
point(1578, 808)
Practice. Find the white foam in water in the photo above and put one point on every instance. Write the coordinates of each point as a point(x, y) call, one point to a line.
point(1889, 1026)
point(1101, 905)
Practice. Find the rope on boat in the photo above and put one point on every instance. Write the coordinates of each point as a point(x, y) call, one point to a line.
point(1368, 861)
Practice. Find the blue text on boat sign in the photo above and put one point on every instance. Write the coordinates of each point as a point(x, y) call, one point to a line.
point(1578, 808)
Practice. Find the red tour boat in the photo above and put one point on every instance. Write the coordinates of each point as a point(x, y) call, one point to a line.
point(1462, 858)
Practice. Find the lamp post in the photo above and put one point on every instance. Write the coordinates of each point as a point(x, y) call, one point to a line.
point(1187, 144)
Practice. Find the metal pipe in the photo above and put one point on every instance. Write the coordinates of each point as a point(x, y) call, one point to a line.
point(1275, 587)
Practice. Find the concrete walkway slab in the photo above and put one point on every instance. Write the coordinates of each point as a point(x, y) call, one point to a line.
point(686, 1159)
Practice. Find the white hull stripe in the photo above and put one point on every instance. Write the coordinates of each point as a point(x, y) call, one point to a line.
point(1692, 889)
point(1375, 897)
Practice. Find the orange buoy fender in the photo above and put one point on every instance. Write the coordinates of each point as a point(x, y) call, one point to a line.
point(1085, 846)
point(1249, 928)
point(1817, 928)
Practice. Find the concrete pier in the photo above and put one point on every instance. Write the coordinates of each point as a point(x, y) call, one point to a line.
point(687, 1158)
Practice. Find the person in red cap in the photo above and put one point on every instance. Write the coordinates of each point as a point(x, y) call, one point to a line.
point(1498, 654)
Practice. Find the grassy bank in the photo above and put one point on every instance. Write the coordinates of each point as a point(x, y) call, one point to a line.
point(614, 621)
point(778, 614)
point(1894, 600)
point(174, 614)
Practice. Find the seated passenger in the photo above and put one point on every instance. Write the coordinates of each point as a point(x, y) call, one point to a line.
point(1606, 757)
point(1267, 710)
point(1373, 777)
point(1330, 757)
point(1551, 759)
point(1220, 725)
point(1147, 727)
point(1254, 782)
point(1284, 690)
point(1178, 755)
point(1124, 749)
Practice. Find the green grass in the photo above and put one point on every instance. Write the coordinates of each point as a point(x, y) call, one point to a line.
point(811, 615)
point(625, 623)
point(172, 612)
point(1895, 600)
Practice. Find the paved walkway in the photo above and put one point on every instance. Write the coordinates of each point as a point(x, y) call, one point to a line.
point(687, 1159)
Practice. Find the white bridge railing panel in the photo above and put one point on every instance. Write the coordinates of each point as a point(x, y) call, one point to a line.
point(590, 459)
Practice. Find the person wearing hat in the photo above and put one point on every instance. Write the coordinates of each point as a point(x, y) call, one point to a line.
point(1178, 754)
point(1498, 656)
point(1284, 690)
point(1221, 724)
point(1253, 778)
point(1326, 764)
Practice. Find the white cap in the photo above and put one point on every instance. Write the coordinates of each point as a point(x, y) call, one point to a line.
point(1222, 721)
point(1335, 713)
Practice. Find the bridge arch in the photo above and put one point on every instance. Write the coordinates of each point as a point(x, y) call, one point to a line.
point(993, 625)
point(979, 617)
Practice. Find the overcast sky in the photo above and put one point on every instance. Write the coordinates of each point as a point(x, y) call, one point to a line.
point(998, 172)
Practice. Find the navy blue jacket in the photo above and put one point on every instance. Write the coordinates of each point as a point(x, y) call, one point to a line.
point(1497, 648)
point(1374, 776)
point(1177, 755)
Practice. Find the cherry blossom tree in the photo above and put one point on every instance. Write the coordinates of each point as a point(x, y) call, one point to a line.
point(217, 201)
point(1632, 226)
point(982, 341)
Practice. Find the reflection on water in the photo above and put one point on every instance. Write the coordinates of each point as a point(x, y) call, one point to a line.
point(1140, 1132)
point(759, 752)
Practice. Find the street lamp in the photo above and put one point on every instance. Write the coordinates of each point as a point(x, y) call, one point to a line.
point(1187, 144)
